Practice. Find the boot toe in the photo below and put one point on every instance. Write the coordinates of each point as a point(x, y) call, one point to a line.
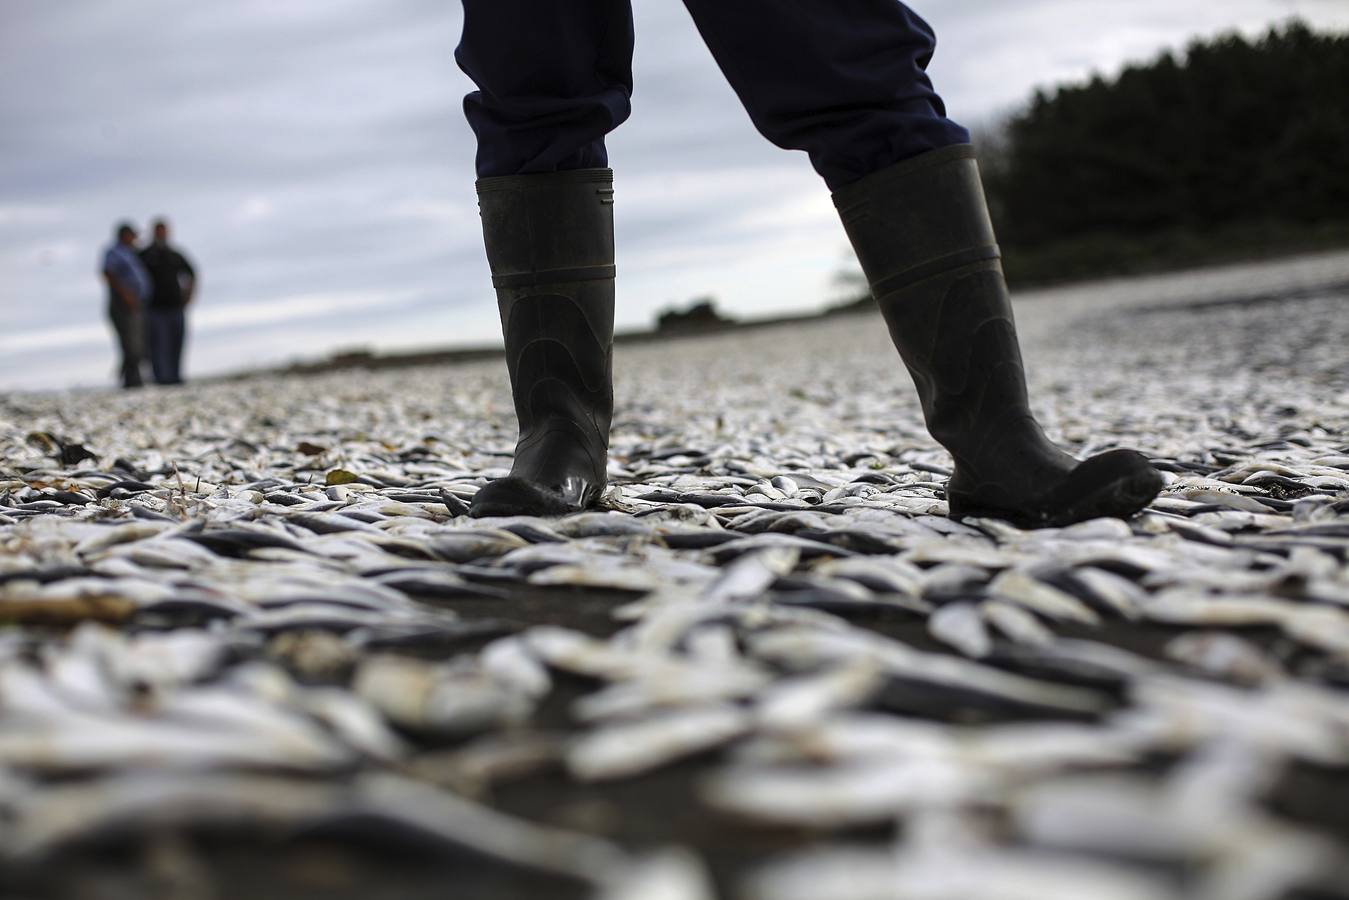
point(1118, 484)
point(1115, 484)
point(513, 496)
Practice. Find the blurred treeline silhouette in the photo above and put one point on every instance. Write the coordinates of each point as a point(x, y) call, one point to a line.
point(1237, 148)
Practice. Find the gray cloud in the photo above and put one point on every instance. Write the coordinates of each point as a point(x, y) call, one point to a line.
point(313, 159)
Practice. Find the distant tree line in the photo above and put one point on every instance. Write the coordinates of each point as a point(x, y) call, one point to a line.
point(1236, 147)
point(701, 314)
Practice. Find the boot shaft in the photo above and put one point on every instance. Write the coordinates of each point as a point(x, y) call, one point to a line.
point(550, 245)
point(919, 218)
point(923, 236)
point(548, 228)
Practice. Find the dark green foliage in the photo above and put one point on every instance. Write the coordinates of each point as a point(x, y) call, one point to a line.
point(1235, 135)
point(701, 313)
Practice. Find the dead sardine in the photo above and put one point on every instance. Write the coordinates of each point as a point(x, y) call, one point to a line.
point(1042, 598)
point(961, 626)
point(630, 748)
point(752, 574)
point(1015, 622)
point(438, 699)
point(863, 793)
point(510, 661)
point(796, 702)
point(802, 647)
point(1225, 656)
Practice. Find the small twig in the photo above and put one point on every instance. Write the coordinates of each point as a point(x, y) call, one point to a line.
point(182, 489)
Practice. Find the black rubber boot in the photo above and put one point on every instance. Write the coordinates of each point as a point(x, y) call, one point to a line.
point(923, 236)
point(550, 244)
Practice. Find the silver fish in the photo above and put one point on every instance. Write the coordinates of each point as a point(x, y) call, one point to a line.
point(671, 683)
point(475, 767)
point(630, 748)
point(438, 699)
point(157, 800)
point(966, 873)
point(510, 661)
point(796, 702)
point(960, 625)
point(879, 574)
point(1042, 598)
point(862, 793)
point(1226, 656)
point(806, 647)
point(752, 574)
point(462, 823)
point(673, 874)
point(1015, 623)
point(1116, 593)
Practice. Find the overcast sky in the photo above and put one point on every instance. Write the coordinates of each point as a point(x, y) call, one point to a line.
point(313, 159)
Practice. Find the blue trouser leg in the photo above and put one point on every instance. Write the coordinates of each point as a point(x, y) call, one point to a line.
point(177, 334)
point(164, 330)
point(554, 78)
point(154, 341)
point(843, 80)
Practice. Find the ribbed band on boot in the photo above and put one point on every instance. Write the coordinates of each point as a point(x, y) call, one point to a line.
point(903, 225)
point(554, 238)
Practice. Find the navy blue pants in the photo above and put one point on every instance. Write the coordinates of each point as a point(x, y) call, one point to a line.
point(843, 80)
point(165, 330)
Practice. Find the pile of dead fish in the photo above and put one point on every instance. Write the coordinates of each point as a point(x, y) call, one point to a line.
point(260, 607)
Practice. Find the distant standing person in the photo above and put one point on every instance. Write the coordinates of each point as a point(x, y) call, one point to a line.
point(128, 291)
point(174, 281)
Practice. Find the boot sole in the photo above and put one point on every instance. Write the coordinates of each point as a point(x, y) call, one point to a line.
point(1120, 498)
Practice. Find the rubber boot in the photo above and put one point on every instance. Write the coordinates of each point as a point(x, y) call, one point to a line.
point(550, 245)
point(923, 236)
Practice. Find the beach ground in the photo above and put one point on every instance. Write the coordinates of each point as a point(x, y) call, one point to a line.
point(251, 646)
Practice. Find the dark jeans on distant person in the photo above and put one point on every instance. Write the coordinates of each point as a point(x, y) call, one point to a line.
point(165, 330)
point(843, 80)
point(129, 326)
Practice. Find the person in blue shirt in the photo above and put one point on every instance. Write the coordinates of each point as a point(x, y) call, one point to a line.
point(129, 289)
point(846, 82)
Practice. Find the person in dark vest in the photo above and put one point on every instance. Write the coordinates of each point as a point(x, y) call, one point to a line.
point(166, 318)
point(128, 291)
point(843, 80)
